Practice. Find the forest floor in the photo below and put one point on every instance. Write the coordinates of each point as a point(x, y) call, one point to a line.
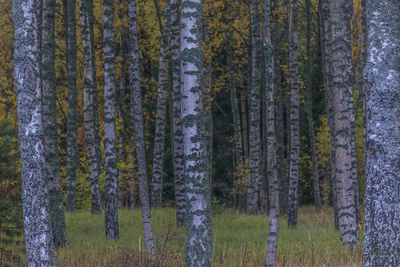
point(238, 240)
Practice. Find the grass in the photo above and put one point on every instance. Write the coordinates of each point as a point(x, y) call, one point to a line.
point(238, 240)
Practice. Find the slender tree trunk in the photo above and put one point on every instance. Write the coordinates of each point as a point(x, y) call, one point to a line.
point(72, 128)
point(279, 104)
point(138, 127)
point(243, 115)
point(294, 116)
point(264, 205)
point(132, 154)
point(132, 157)
point(159, 136)
point(111, 198)
point(354, 164)
point(255, 115)
point(177, 129)
point(286, 105)
point(198, 216)
point(91, 117)
point(361, 80)
point(122, 117)
point(327, 73)
point(35, 196)
point(238, 149)
point(382, 80)
point(317, 196)
point(342, 87)
point(50, 126)
point(357, 83)
point(207, 109)
point(269, 101)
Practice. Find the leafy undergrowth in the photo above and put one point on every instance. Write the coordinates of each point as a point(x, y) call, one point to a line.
point(238, 240)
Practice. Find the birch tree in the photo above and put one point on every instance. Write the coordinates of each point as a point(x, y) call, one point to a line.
point(269, 101)
point(137, 121)
point(72, 128)
point(198, 217)
point(279, 104)
point(122, 136)
point(239, 158)
point(324, 25)
point(255, 115)
point(50, 126)
point(111, 197)
point(35, 195)
point(161, 113)
point(294, 116)
point(382, 80)
point(177, 128)
point(91, 116)
point(243, 114)
point(342, 89)
point(317, 195)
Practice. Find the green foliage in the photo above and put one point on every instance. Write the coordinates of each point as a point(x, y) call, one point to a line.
point(11, 226)
point(238, 240)
point(83, 196)
point(217, 208)
point(323, 150)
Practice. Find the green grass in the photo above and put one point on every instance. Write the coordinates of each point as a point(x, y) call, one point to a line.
point(238, 240)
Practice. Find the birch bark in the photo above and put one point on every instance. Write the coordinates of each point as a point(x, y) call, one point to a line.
point(110, 150)
point(294, 116)
point(91, 116)
point(137, 121)
point(35, 197)
point(50, 126)
point(198, 216)
point(382, 81)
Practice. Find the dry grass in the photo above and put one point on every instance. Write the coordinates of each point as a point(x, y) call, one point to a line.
point(238, 240)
